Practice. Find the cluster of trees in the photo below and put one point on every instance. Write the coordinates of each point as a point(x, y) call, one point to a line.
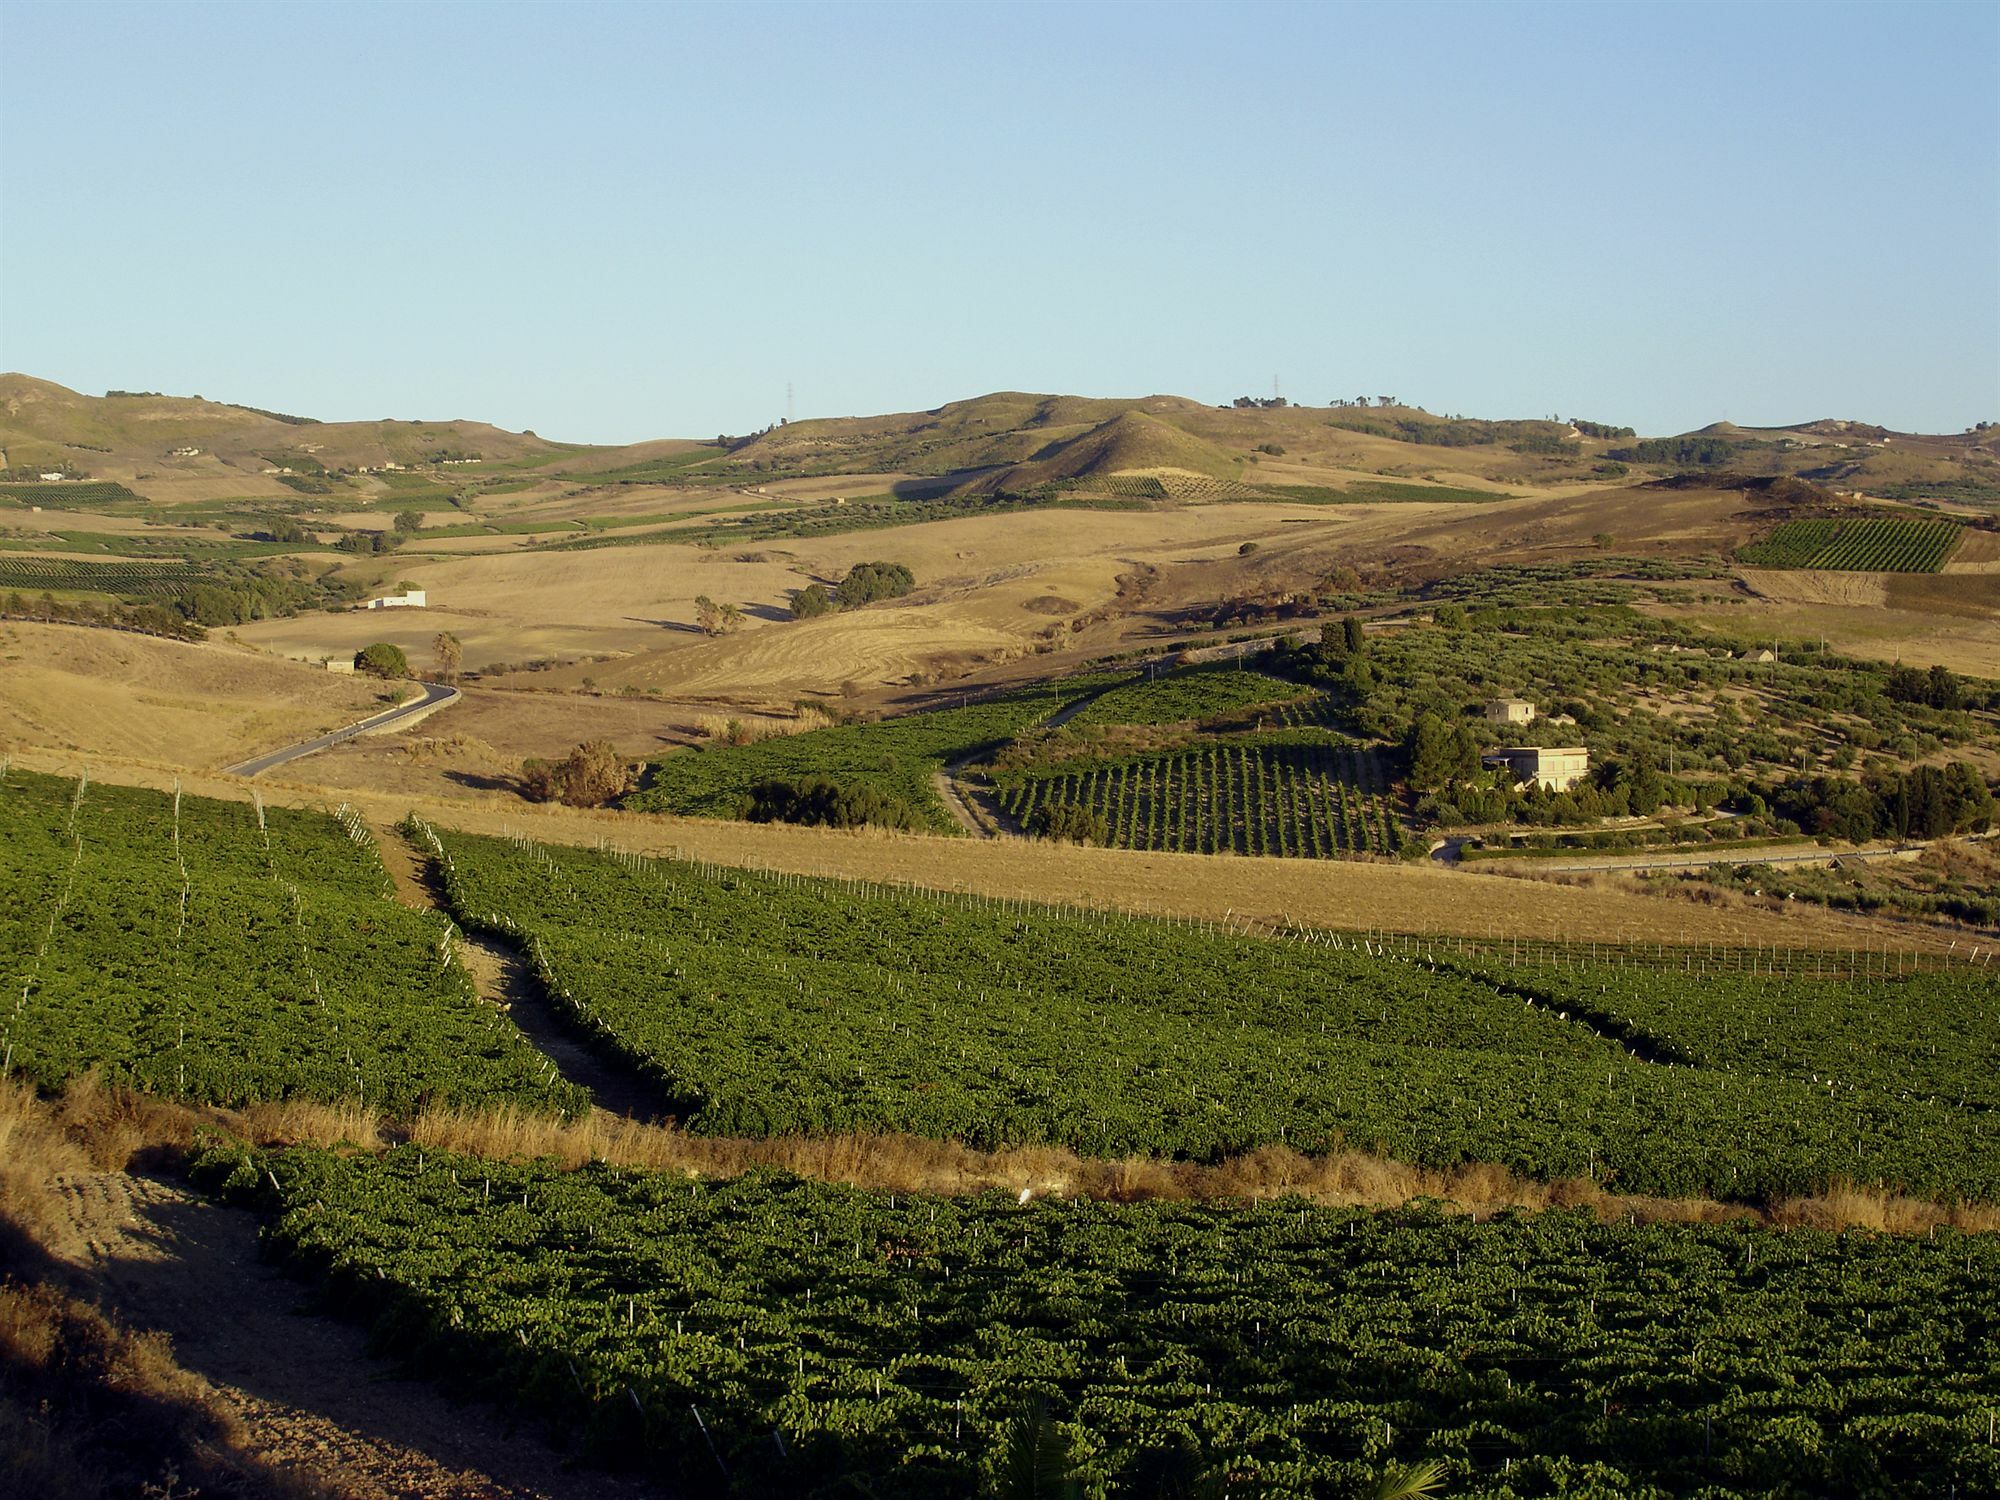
point(282, 529)
point(1937, 688)
point(816, 801)
point(368, 543)
point(1924, 802)
point(235, 595)
point(141, 619)
point(1069, 822)
point(1259, 403)
point(1600, 429)
point(864, 584)
point(589, 776)
point(1359, 401)
point(1545, 445)
point(1444, 766)
point(1703, 452)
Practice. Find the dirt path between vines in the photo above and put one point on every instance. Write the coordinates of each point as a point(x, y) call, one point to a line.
point(312, 1400)
point(505, 981)
point(952, 795)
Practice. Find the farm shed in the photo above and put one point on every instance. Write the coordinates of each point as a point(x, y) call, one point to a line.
point(411, 599)
point(1510, 711)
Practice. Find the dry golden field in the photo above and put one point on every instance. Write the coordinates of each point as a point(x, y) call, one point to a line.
point(102, 692)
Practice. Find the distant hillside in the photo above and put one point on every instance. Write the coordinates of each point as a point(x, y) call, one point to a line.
point(126, 436)
point(1007, 441)
point(1131, 442)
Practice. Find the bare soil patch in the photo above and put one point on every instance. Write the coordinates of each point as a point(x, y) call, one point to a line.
point(310, 1399)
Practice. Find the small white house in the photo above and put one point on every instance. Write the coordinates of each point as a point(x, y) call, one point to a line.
point(409, 599)
point(1557, 769)
point(54, 478)
point(1510, 711)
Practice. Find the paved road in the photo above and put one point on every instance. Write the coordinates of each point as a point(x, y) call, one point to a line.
point(436, 695)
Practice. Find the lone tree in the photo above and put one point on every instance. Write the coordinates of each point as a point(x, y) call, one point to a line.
point(408, 521)
point(715, 619)
point(450, 653)
point(382, 660)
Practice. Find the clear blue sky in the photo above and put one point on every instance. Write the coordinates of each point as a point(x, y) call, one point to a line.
point(613, 222)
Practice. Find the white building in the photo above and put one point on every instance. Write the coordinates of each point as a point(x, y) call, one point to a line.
point(54, 478)
point(409, 599)
point(1556, 769)
point(1510, 711)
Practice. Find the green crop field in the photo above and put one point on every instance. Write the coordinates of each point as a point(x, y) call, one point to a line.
point(1262, 795)
point(770, 1336)
point(771, 1005)
point(895, 757)
point(1884, 545)
point(216, 952)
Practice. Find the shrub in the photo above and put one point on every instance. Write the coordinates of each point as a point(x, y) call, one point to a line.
point(589, 776)
point(811, 600)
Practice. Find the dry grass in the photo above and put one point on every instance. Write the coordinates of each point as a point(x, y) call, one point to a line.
point(109, 692)
point(749, 729)
point(913, 1164)
point(90, 1409)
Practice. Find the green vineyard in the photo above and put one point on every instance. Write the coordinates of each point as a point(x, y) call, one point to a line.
point(895, 758)
point(24, 573)
point(1307, 799)
point(1872, 545)
point(762, 1005)
point(218, 952)
point(767, 1336)
point(71, 494)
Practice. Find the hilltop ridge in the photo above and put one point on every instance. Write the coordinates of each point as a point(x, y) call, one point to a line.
point(1001, 442)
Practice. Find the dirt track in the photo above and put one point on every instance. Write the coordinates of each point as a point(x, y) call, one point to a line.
point(311, 1398)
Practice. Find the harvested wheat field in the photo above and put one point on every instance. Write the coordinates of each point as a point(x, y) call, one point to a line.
point(1812, 586)
point(101, 692)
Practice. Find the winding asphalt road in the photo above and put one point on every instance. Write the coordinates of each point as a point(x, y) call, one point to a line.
point(436, 695)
